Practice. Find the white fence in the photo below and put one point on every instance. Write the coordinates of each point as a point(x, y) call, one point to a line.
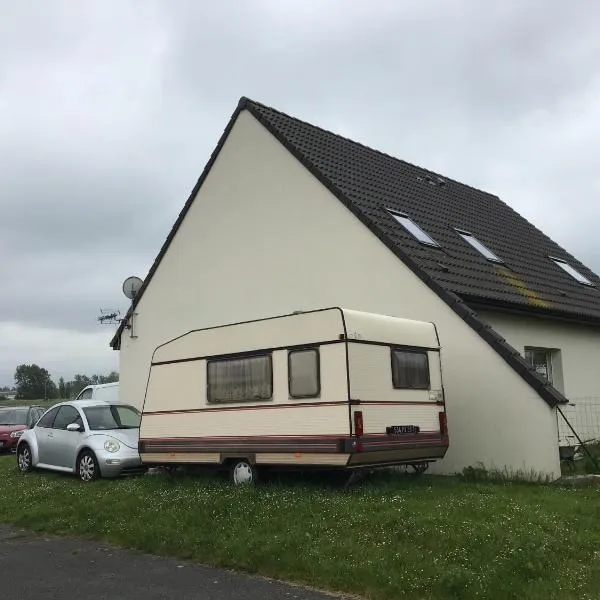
point(584, 416)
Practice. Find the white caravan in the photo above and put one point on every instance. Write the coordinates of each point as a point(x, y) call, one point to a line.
point(331, 388)
point(102, 391)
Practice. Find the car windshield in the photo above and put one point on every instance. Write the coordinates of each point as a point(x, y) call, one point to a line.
point(112, 416)
point(13, 416)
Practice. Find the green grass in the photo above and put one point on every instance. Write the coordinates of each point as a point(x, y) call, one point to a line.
point(392, 537)
point(42, 402)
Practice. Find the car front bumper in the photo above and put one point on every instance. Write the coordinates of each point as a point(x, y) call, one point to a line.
point(8, 444)
point(120, 463)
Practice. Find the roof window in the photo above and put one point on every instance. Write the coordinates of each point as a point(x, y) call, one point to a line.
point(414, 229)
point(565, 266)
point(481, 248)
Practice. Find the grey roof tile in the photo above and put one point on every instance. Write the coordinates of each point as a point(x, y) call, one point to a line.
point(372, 182)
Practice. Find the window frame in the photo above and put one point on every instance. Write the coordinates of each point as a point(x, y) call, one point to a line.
point(424, 352)
point(82, 395)
point(570, 270)
point(314, 349)
point(54, 410)
point(549, 354)
point(79, 418)
point(259, 354)
point(464, 234)
point(34, 416)
point(399, 215)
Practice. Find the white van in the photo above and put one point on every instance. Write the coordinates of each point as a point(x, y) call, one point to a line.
point(103, 391)
point(326, 388)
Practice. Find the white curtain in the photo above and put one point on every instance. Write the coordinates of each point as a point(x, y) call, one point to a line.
point(240, 379)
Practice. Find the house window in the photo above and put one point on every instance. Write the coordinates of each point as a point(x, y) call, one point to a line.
point(541, 361)
point(413, 229)
point(304, 375)
point(481, 248)
point(245, 379)
point(565, 266)
point(410, 370)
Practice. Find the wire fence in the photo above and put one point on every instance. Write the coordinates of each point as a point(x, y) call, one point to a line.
point(584, 415)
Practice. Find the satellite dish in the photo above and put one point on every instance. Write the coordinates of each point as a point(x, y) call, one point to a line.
point(131, 287)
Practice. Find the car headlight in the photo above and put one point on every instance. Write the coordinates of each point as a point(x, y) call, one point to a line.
point(112, 446)
point(16, 434)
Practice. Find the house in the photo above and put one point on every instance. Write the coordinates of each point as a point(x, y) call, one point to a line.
point(287, 217)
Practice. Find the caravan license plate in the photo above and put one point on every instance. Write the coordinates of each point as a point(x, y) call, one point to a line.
point(400, 429)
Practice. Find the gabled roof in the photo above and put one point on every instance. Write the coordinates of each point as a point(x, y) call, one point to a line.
point(370, 183)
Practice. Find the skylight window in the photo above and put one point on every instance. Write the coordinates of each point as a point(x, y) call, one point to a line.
point(414, 229)
point(481, 248)
point(565, 266)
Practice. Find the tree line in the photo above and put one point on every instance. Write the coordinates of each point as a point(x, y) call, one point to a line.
point(33, 382)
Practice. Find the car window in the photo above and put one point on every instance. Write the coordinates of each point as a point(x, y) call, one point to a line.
point(113, 416)
point(36, 413)
point(86, 394)
point(48, 418)
point(65, 416)
point(32, 417)
point(13, 416)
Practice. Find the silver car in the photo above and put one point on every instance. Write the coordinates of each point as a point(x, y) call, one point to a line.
point(91, 438)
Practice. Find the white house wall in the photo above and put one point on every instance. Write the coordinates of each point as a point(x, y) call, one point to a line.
point(264, 237)
point(575, 370)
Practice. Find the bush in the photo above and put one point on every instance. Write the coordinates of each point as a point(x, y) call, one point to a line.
point(480, 473)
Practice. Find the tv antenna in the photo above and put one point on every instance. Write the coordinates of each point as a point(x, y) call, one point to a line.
point(109, 316)
point(131, 288)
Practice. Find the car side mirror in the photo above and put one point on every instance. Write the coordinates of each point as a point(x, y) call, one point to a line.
point(73, 427)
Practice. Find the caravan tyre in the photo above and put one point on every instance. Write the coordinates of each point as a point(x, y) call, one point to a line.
point(242, 472)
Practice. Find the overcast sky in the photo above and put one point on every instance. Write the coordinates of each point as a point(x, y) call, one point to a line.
point(110, 109)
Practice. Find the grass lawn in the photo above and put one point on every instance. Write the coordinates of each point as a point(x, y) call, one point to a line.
point(42, 402)
point(392, 537)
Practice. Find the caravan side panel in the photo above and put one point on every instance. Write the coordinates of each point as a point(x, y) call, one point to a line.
point(179, 425)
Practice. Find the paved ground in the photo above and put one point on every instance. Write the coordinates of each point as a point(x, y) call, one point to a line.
point(35, 566)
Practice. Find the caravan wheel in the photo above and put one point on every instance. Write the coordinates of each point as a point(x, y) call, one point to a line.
point(242, 472)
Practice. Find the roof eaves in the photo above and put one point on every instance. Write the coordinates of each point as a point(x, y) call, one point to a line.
point(507, 352)
point(492, 304)
point(115, 343)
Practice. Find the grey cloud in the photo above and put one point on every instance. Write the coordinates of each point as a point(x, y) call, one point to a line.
point(110, 110)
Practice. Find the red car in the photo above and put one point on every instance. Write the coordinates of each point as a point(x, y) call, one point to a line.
point(14, 421)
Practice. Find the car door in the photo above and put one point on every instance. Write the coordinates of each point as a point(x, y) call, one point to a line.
point(64, 443)
point(44, 433)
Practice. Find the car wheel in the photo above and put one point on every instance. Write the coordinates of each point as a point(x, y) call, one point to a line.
point(242, 472)
point(87, 466)
point(24, 460)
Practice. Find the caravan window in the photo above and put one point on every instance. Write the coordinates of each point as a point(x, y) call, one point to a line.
point(410, 369)
point(240, 379)
point(303, 371)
